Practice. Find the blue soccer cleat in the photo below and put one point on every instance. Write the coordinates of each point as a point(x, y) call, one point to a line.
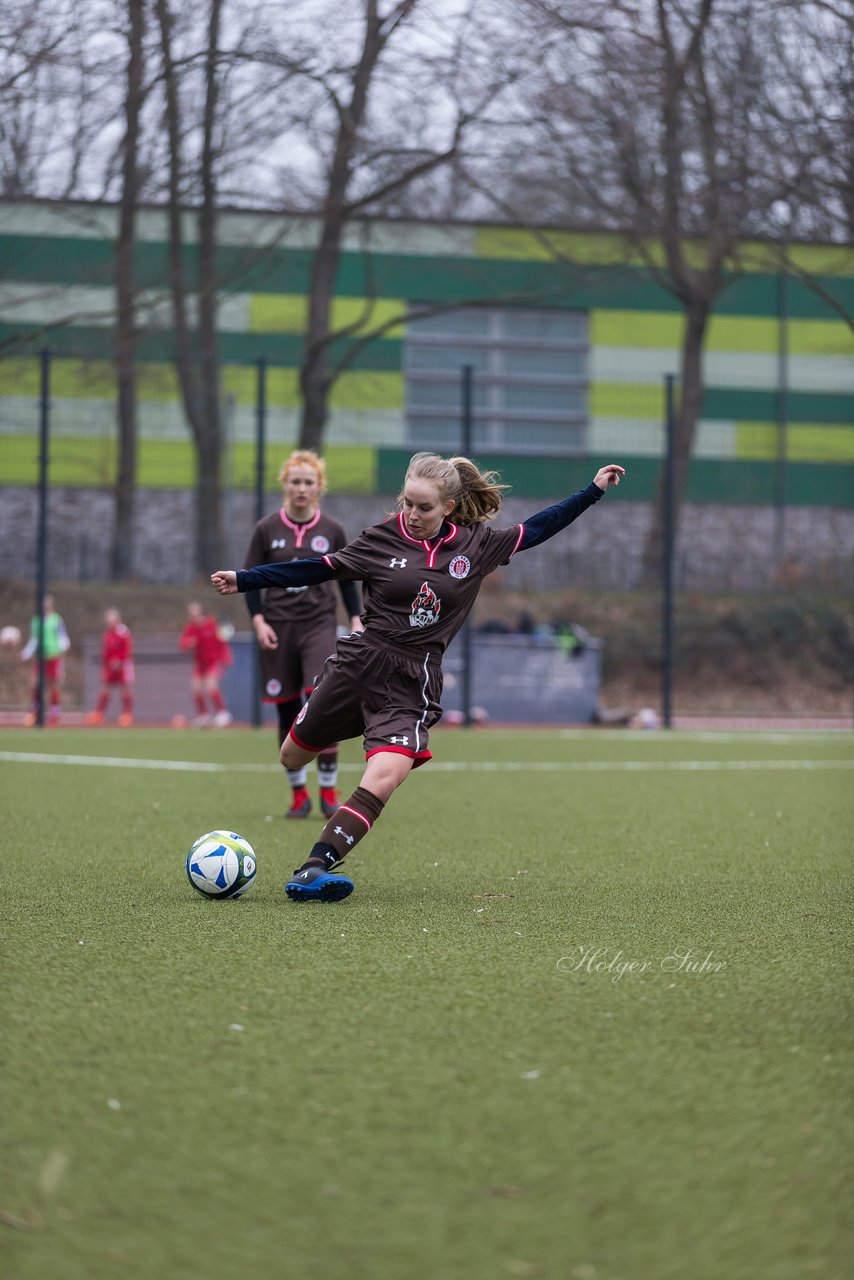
point(313, 884)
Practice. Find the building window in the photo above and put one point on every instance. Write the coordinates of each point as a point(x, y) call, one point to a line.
point(529, 389)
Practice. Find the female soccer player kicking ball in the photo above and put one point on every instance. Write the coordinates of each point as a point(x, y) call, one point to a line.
point(422, 571)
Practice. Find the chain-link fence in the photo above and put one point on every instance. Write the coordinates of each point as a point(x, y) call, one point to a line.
point(765, 515)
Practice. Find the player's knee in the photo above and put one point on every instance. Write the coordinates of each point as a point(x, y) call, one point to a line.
point(292, 756)
point(385, 772)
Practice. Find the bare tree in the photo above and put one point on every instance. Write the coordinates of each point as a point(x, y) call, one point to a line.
point(58, 95)
point(808, 128)
point(810, 119)
point(654, 125)
point(196, 356)
point(125, 328)
point(314, 378)
point(376, 105)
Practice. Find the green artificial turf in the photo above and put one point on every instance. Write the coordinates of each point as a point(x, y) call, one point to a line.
point(450, 1075)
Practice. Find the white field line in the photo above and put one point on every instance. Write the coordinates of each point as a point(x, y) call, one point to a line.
point(444, 766)
point(788, 737)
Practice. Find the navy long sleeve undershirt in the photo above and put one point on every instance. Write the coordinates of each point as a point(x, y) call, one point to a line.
point(545, 524)
point(292, 573)
point(305, 573)
point(349, 594)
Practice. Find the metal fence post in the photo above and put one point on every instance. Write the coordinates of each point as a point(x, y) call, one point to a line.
point(41, 545)
point(667, 557)
point(466, 418)
point(260, 475)
point(781, 468)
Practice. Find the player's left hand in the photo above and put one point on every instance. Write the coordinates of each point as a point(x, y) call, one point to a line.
point(608, 475)
point(225, 582)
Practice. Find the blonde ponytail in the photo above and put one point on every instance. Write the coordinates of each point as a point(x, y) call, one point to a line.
point(476, 494)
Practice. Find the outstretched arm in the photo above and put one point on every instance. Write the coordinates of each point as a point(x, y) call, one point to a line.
point(293, 573)
point(545, 524)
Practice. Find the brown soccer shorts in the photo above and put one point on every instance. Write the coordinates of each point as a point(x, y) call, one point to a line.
point(389, 698)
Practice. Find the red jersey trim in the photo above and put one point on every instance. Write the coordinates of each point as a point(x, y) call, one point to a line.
point(420, 757)
point(519, 539)
point(432, 550)
point(314, 750)
point(418, 542)
point(299, 529)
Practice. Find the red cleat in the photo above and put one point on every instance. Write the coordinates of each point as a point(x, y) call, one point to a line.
point(300, 805)
point(329, 801)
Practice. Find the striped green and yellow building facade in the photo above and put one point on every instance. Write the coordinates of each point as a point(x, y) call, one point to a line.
point(778, 369)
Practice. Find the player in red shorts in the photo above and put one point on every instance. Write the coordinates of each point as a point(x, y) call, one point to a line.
point(422, 570)
point(211, 654)
point(116, 669)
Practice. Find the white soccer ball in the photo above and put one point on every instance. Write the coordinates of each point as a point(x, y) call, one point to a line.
point(10, 637)
point(221, 864)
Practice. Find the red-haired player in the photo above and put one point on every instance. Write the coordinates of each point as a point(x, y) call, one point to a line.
point(295, 626)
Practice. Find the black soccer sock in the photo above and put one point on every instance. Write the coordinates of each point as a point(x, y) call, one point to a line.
point(323, 856)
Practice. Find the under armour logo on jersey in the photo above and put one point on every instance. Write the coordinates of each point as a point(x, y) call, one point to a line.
point(397, 564)
point(403, 742)
point(339, 831)
point(278, 544)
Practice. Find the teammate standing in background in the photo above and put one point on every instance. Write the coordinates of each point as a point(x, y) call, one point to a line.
point(211, 654)
point(422, 571)
point(295, 625)
point(56, 645)
point(116, 669)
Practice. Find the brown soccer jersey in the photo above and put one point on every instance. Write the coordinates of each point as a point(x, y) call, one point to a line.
point(417, 594)
point(277, 539)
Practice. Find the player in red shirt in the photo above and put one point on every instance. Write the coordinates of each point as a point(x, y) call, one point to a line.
point(211, 654)
point(116, 669)
point(421, 572)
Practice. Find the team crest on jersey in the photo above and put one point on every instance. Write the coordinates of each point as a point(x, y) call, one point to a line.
point(301, 715)
point(426, 608)
point(320, 544)
point(460, 567)
point(274, 688)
